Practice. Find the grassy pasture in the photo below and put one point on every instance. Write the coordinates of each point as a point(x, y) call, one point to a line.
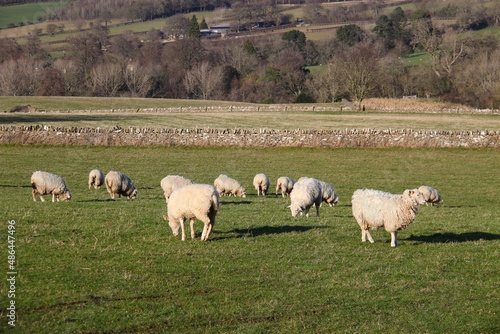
point(89, 103)
point(284, 119)
point(254, 120)
point(102, 266)
point(25, 13)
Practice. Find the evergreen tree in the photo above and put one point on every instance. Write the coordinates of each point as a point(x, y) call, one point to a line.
point(296, 38)
point(384, 28)
point(203, 24)
point(194, 28)
point(350, 34)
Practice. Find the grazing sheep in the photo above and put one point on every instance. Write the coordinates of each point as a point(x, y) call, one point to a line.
point(374, 209)
point(47, 183)
point(285, 184)
point(194, 201)
point(96, 178)
point(173, 182)
point(228, 186)
point(120, 184)
point(306, 192)
point(431, 195)
point(328, 193)
point(261, 184)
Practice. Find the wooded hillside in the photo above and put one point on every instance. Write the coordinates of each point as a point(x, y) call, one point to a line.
point(268, 53)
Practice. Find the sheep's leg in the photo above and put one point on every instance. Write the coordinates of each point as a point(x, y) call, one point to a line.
point(394, 239)
point(366, 234)
point(53, 198)
point(207, 228)
point(204, 236)
point(209, 231)
point(33, 193)
point(183, 238)
point(191, 225)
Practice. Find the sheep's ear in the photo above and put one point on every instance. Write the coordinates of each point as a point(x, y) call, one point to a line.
point(289, 206)
point(165, 217)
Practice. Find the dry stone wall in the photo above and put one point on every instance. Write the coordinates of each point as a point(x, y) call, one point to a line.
point(135, 136)
point(379, 105)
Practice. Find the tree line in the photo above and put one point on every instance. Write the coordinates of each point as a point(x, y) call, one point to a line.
point(354, 64)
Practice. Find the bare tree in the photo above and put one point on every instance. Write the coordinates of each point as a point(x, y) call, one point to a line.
point(444, 53)
point(239, 58)
point(176, 27)
point(357, 68)
point(86, 51)
point(138, 78)
point(495, 13)
point(292, 74)
point(326, 86)
point(51, 29)
point(73, 84)
point(106, 79)
point(376, 6)
point(478, 81)
point(20, 77)
point(8, 71)
point(203, 80)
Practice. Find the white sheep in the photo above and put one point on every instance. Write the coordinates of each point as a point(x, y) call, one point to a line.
point(120, 184)
point(194, 201)
point(306, 192)
point(173, 182)
point(96, 178)
point(261, 184)
point(285, 185)
point(228, 186)
point(328, 193)
point(47, 183)
point(430, 194)
point(373, 209)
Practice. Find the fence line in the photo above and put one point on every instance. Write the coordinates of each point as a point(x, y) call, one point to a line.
point(270, 108)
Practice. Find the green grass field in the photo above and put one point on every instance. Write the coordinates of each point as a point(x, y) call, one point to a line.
point(93, 265)
point(25, 13)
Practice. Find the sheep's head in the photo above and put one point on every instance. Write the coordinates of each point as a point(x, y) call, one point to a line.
point(241, 192)
point(295, 209)
point(174, 225)
point(133, 195)
point(332, 200)
point(65, 196)
point(415, 196)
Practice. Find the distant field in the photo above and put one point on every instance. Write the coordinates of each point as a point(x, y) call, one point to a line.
point(25, 13)
point(85, 103)
point(415, 59)
point(272, 120)
point(282, 118)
